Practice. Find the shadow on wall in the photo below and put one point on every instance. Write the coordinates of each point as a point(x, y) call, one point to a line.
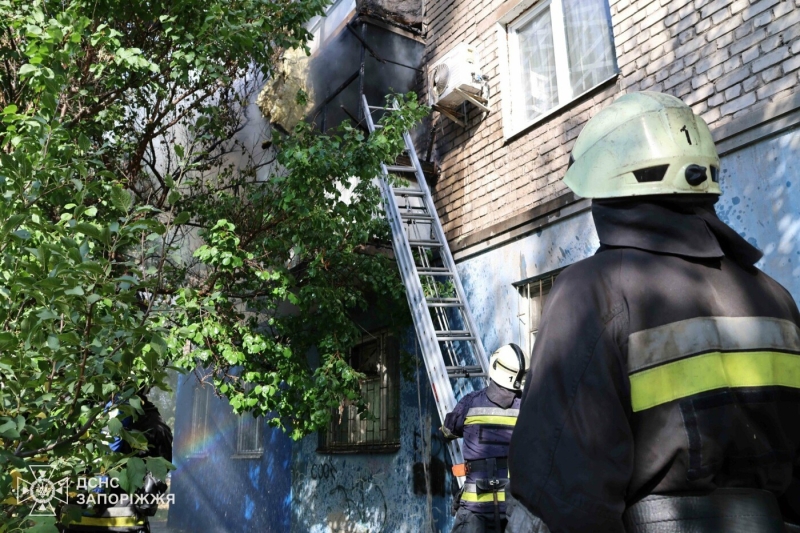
point(215, 491)
point(374, 493)
point(761, 200)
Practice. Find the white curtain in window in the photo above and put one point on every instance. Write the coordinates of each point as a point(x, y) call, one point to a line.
point(538, 65)
point(589, 43)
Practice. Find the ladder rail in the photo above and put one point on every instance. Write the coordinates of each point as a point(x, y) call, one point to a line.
point(447, 257)
point(425, 310)
point(439, 379)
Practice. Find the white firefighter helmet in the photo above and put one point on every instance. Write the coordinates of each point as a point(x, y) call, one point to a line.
point(507, 366)
point(644, 143)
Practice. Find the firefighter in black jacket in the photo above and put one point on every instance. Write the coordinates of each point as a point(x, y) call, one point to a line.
point(664, 388)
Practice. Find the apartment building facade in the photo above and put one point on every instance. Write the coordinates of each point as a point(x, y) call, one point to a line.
point(548, 65)
point(551, 65)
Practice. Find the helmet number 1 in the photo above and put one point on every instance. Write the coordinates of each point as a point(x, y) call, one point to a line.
point(686, 131)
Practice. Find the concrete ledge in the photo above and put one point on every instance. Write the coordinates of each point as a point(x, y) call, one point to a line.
point(520, 225)
point(761, 122)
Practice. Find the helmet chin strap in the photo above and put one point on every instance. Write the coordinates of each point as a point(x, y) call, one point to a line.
point(521, 361)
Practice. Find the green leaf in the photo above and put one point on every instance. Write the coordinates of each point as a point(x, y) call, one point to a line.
point(89, 229)
point(114, 426)
point(159, 467)
point(75, 291)
point(8, 430)
point(121, 199)
point(27, 68)
point(182, 218)
point(52, 342)
point(136, 471)
point(7, 341)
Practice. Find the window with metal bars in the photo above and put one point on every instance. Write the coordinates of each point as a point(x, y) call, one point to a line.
point(533, 294)
point(199, 429)
point(379, 431)
point(249, 435)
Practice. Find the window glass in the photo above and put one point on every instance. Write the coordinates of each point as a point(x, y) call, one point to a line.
point(249, 435)
point(589, 44)
point(557, 51)
point(537, 65)
point(199, 429)
point(350, 430)
point(533, 296)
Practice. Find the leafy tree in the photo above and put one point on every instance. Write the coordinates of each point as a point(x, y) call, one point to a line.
point(141, 230)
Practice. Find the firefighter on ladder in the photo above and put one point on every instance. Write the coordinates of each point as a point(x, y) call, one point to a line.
point(485, 419)
point(664, 388)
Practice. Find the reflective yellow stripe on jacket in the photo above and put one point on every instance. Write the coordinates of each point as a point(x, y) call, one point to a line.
point(492, 415)
point(471, 494)
point(688, 357)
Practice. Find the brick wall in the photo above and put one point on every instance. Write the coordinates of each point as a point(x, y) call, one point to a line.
point(722, 57)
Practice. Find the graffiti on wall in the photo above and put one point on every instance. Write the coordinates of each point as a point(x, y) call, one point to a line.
point(346, 499)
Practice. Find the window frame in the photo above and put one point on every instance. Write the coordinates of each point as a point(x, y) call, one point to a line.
point(199, 429)
point(243, 420)
point(524, 301)
point(328, 443)
point(316, 26)
point(514, 123)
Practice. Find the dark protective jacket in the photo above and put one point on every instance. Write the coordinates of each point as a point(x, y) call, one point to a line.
point(666, 363)
point(485, 419)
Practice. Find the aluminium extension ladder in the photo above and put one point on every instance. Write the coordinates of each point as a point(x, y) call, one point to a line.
point(442, 319)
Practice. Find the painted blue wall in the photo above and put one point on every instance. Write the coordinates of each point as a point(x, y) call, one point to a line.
point(375, 493)
point(488, 278)
point(761, 200)
point(215, 492)
point(294, 488)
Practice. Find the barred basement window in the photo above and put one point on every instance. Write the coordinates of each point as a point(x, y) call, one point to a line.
point(249, 436)
point(351, 432)
point(533, 295)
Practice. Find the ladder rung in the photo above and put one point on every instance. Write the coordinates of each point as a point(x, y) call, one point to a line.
point(416, 216)
point(377, 126)
point(426, 243)
point(433, 270)
point(465, 371)
point(445, 304)
point(443, 300)
point(378, 107)
point(408, 192)
point(455, 335)
point(400, 168)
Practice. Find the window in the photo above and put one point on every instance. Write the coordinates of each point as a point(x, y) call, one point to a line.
point(532, 297)
point(249, 438)
point(555, 52)
point(348, 431)
point(200, 430)
point(323, 28)
point(249, 442)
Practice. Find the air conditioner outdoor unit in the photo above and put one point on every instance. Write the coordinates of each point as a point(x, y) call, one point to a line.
point(455, 78)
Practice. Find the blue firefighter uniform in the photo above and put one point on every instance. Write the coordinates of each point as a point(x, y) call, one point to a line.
point(485, 419)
